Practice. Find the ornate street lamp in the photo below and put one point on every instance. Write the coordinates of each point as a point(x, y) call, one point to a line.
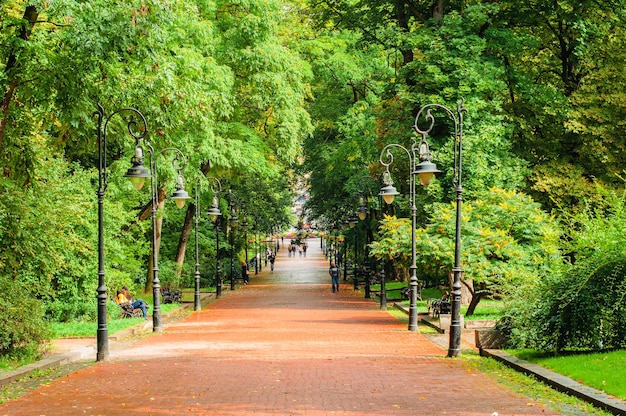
point(362, 209)
point(257, 260)
point(234, 222)
point(244, 227)
point(352, 221)
point(215, 214)
point(102, 333)
point(196, 298)
point(196, 293)
point(180, 196)
point(362, 214)
point(388, 192)
point(425, 170)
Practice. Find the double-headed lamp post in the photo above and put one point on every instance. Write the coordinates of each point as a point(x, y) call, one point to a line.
point(426, 171)
point(215, 214)
point(102, 333)
point(197, 304)
point(388, 192)
point(234, 222)
point(138, 174)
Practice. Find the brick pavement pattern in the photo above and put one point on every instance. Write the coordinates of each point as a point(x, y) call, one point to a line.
point(282, 345)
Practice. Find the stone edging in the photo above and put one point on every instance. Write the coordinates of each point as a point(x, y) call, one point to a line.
point(559, 382)
point(556, 381)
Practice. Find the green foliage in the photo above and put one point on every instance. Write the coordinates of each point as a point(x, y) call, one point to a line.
point(507, 242)
point(393, 243)
point(585, 307)
point(18, 305)
point(246, 116)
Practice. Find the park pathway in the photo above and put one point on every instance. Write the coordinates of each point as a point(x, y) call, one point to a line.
point(282, 345)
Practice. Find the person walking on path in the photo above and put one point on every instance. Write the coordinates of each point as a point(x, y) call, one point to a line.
point(272, 259)
point(244, 273)
point(334, 275)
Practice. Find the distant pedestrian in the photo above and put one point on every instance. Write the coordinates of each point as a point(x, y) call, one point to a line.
point(272, 258)
point(244, 272)
point(293, 250)
point(334, 276)
point(304, 247)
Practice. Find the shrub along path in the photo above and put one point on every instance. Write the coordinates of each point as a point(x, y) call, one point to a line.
point(282, 345)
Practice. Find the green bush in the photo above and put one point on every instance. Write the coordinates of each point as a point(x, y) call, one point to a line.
point(584, 308)
point(19, 306)
point(508, 243)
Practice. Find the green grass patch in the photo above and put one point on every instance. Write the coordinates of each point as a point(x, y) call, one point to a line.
point(79, 329)
point(11, 362)
point(487, 309)
point(88, 329)
point(603, 371)
point(531, 387)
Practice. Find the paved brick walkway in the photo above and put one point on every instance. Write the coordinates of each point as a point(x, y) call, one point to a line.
point(283, 345)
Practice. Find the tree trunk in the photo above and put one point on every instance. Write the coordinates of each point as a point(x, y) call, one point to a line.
point(184, 238)
point(438, 9)
point(144, 214)
point(30, 15)
point(467, 288)
point(473, 303)
point(186, 231)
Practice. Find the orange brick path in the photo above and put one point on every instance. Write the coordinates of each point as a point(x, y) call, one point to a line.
point(283, 345)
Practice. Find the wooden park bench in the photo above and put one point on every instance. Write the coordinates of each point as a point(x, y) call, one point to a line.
point(171, 296)
point(437, 307)
point(127, 311)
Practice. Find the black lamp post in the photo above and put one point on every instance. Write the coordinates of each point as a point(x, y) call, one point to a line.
point(277, 240)
point(244, 227)
point(215, 214)
point(426, 170)
point(180, 196)
point(233, 221)
point(196, 302)
point(352, 222)
point(256, 248)
point(388, 192)
point(102, 333)
point(335, 245)
point(362, 214)
point(196, 293)
point(344, 227)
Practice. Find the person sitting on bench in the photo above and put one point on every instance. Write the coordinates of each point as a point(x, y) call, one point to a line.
point(123, 297)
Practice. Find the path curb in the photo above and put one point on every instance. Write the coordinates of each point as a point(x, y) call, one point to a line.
point(559, 382)
point(52, 362)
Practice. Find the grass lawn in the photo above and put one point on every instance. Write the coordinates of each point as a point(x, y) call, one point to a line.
point(487, 308)
point(78, 329)
point(529, 386)
point(603, 371)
